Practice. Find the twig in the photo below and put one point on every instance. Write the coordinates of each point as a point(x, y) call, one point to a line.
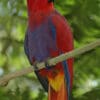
point(53, 61)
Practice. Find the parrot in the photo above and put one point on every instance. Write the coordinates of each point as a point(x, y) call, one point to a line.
point(49, 35)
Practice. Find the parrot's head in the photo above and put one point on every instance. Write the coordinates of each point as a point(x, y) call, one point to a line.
point(39, 5)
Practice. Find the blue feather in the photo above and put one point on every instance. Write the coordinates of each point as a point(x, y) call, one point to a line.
point(67, 77)
point(53, 29)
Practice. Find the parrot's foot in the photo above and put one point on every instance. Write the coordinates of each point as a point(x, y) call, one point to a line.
point(35, 65)
point(47, 64)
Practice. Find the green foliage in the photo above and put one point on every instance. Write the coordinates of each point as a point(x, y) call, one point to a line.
point(84, 18)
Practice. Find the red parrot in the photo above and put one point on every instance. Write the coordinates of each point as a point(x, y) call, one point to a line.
point(49, 35)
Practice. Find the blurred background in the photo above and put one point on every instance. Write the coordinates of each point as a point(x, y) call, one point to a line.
point(84, 18)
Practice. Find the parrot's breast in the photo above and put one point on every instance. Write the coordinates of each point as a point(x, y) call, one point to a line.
point(40, 42)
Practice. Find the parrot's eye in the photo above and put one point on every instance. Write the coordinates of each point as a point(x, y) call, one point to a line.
point(50, 1)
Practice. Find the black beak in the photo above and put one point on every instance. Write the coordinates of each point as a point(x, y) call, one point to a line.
point(50, 1)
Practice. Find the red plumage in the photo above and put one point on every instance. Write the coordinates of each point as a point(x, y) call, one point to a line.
point(55, 36)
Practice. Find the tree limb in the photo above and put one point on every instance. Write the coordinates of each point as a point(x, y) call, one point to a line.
point(53, 61)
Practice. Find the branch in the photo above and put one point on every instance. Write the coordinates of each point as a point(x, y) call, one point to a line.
point(53, 61)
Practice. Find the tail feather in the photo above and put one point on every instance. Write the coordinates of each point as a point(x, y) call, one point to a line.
point(58, 95)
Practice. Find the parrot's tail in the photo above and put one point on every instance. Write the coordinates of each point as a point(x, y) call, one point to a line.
point(61, 94)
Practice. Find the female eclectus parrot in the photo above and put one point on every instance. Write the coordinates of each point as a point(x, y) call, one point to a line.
point(49, 35)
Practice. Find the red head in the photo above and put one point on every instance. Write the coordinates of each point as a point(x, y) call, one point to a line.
point(39, 5)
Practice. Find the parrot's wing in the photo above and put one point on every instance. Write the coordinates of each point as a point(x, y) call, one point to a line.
point(64, 39)
point(42, 80)
point(38, 45)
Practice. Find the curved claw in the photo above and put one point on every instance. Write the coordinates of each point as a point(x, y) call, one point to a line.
point(47, 64)
point(35, 65)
